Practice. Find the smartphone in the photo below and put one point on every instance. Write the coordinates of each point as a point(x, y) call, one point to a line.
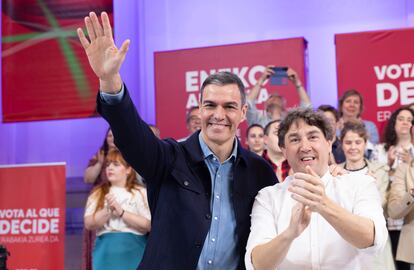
point(280, 76)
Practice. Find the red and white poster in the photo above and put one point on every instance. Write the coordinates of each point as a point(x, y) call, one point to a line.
point(45, 71)
point(32, 215)
point(180, 74)
point(379, 65)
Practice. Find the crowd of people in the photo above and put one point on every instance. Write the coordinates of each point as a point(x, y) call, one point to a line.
point(315, 190)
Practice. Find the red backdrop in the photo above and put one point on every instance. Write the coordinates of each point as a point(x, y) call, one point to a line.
point(379, 65)
point(45, 72)
point(32, 215)
point(179, 75)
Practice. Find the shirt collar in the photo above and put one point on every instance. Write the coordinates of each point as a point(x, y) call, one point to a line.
point(208, 153)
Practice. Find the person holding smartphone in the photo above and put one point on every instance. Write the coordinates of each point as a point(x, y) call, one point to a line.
point(275, 104)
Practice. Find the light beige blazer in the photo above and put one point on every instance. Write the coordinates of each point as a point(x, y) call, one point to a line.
point(401, 205)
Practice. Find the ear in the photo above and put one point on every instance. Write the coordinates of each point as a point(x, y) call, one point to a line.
point(244, 111)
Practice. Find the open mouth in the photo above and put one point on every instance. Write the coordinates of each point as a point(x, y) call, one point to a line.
point(307, 160)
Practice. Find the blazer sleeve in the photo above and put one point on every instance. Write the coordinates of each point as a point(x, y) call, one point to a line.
point(148, 155)
point(400, 201)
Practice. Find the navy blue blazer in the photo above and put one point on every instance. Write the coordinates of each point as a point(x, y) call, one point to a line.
point(179, 188)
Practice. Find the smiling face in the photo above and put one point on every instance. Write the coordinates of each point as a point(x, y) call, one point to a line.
point(221, 112)
point(306, 145)
point(351, 106)
point(353, 146)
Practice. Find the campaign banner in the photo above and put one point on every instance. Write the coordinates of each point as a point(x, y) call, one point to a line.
point(179, 75)
point(32, 215)
point(45, 71)
point(379, 64)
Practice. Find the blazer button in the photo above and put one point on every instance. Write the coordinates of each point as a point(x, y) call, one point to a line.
point(186, 183)
point(208, 216)
point(198, 245)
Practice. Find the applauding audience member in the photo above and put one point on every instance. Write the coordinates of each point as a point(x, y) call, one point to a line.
point(401, 206)
point(95, 174)
point(396, 150)
point(314, 220)
point(354, 139)
point(118, 211)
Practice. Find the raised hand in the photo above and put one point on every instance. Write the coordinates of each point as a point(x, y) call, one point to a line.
point(308, 189)
point(104, 57)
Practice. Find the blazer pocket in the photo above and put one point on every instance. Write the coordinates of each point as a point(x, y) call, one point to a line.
point(186, 182)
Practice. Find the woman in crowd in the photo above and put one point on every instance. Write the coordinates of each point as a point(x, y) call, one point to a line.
point(396, 150)
point(118, 211)
point(95, 175)
point(401, 205)
point(351, 106)
point(354, 139)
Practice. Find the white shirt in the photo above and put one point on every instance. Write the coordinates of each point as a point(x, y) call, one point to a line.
point(135, 202)
point(319, 246)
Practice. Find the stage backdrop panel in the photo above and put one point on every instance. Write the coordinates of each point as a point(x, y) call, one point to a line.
point(45, 72)
point(179, 75)
point(32, 215)
point(379, 65)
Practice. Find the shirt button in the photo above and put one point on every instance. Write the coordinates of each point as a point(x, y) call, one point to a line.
point(213, 239)
point(218, 175)
point(208, 216)
point(217, 196)
point(215, 218)
point(186, 183)
point(210, 262)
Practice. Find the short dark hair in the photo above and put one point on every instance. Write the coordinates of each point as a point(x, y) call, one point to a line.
point(310, 117)
point(350, 93)
point(252, 126)
point(224, 78)
point(188, 115)
point(329, 108)
point(267, 127)
point(355, 126)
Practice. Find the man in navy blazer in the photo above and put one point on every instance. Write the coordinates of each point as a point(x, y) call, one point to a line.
point(200, 191)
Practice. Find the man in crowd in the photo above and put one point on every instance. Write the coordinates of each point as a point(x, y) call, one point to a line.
point(200, 191)
point(332, 116)
point(275, 105)
point(254, 139)
point(273, 154)
point(314, 220)
point(192, 122)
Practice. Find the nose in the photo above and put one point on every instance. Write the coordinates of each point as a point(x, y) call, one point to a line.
point(219, 113)
point(305, 145)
